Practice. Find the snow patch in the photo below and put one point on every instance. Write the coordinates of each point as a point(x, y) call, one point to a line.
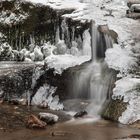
point(120, 59)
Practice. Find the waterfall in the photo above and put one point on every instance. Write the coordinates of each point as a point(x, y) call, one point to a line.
point(93, 81)
point(94, 35)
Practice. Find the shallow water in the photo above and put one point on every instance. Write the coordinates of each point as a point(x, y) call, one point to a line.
point(101, 130)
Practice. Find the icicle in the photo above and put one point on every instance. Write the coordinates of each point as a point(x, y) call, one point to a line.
point(73, 33)
point(57, 37)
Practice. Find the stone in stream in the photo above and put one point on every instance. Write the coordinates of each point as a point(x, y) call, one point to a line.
point(48, 118)
point(18, 101)
point(34, 122)
point(80, 114)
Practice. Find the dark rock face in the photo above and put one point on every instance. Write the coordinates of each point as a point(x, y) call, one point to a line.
point(14, 82)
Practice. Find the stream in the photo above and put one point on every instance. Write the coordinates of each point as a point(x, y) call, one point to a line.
point(13, 117)
point(65, 129)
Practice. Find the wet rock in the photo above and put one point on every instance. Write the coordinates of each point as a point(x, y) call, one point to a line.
point(34, 122)
point(14, 101)
point(136, 124)
point(80, 114)
point(18, 101)
point(113, 110)
point(48, 118)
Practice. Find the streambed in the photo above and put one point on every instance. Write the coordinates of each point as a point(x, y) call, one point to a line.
point(12, 126)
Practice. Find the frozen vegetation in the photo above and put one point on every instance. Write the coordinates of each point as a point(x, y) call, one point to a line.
point(58, 56)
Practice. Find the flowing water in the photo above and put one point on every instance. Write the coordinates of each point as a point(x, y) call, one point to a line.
point(96, 78)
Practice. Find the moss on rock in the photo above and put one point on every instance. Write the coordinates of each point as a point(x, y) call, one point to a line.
point(114, 110)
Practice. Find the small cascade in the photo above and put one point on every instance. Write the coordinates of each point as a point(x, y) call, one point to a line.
point(94, 80)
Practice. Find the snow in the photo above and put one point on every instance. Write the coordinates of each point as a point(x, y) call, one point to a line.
point(7, 17)
point(62, 62)
point(44, 97)
point(60, 4)
point(120, 59)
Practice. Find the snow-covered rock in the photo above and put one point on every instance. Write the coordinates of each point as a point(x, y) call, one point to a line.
point(127, 89)
point(120, 59)
point(28, 60)
point(62, 62)
point(49, 118)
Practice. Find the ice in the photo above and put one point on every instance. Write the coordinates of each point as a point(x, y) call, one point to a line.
point(61, 47)
point(47, 49)
point(38, 54)
point(86, 43)
point(44, 97)
point(36, 75)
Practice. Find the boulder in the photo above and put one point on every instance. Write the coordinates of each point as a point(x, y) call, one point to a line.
point(80, 114)
point(48, 118)
point(34, 122)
